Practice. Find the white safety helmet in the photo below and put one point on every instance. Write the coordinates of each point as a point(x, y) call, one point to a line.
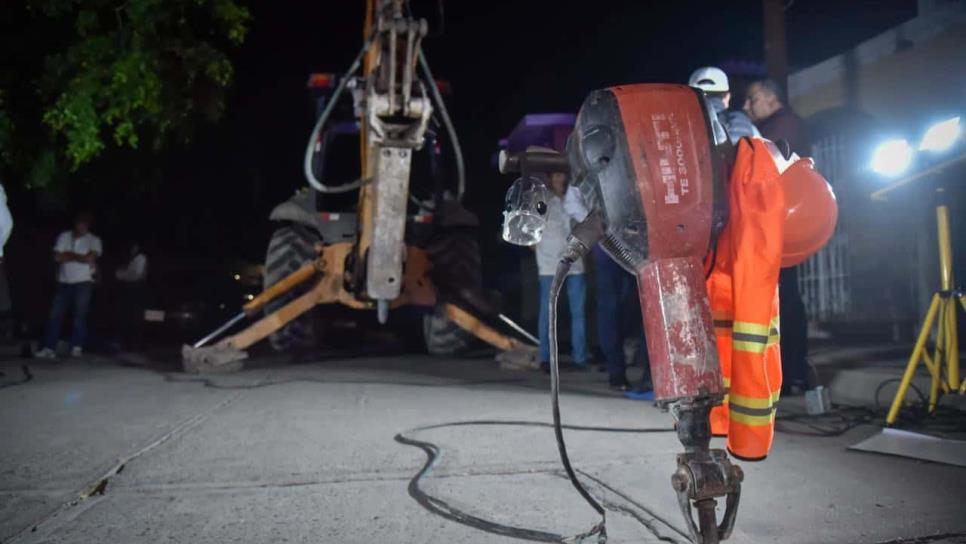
point(709, 79)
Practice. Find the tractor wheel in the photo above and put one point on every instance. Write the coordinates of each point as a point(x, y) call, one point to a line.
point(443, 337)
point(457, 267)
point(289, 248)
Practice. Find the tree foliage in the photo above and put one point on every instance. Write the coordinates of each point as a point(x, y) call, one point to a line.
point(113, 74)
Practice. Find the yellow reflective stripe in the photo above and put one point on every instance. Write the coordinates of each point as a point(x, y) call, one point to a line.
point(751, 328)
point(754, 421)
point(774, 330)
point(751, 402)
point(751, 347)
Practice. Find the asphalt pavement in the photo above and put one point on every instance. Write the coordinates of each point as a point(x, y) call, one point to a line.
point(94, 450)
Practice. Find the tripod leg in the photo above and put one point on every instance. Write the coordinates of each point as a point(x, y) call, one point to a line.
point(942, 344)
point(952, 352)
point(942, 337)
point(931, 366)
point(913, 361)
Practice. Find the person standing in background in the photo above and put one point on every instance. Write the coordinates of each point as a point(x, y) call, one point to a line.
point(714, 82)
point(133, 281)
point(75, 252)
point(549, 250)
point(765, 104)
point(618, 314)
point(6, 306)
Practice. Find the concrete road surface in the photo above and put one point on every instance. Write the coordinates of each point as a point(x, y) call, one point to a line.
point(95, 451)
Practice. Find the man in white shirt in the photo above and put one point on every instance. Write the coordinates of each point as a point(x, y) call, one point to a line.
point(563, 208)
point(76, 252)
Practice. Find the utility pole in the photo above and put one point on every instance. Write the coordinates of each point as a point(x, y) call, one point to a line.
point(776, 49)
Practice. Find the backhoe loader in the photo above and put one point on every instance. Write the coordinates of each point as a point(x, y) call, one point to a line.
point(406, 241)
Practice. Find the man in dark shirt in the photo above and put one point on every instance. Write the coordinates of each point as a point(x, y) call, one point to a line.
point(765, 105)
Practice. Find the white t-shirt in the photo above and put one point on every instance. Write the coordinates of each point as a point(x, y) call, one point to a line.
point(135, 271)
point(560, 216)
point(73, 271)
point(6, 220)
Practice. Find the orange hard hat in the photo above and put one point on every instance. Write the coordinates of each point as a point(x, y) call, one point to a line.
point(810, 212)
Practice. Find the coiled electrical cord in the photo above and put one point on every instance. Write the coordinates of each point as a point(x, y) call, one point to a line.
point(584, 235)
point(444, 509)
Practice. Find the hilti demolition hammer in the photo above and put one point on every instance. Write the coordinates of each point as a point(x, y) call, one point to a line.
point(647, 162)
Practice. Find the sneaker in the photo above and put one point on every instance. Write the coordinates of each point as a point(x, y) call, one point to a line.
point(76, 351)
point(46, 353)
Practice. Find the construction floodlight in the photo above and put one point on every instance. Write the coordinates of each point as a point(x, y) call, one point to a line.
point(892, 157)
point(941, 136)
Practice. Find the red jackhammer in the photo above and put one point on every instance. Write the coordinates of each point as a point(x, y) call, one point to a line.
point(652, 165)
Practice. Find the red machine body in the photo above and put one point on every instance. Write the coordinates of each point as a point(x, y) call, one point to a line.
point(670, 151)
point(652, 152)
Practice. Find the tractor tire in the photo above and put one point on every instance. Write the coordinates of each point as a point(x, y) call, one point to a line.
point(444, 338)
point(290, 247)
point(457, 267)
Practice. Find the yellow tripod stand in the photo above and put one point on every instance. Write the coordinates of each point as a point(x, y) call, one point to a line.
point(942, 316)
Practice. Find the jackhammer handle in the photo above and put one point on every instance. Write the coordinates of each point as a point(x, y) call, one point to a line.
point(533, 161)
point(305, 272)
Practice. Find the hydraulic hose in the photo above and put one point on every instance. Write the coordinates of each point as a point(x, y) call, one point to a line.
point(448, 123)
point(317, 129)
point(585, 234)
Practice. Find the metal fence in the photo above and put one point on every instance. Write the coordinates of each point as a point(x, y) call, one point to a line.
point(824, 279)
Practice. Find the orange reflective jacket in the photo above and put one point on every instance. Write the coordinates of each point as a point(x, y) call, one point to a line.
point(743, 288)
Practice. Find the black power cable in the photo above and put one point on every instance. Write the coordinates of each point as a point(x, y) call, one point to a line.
point(945, 420)
point(444, 509)
point(583, 236)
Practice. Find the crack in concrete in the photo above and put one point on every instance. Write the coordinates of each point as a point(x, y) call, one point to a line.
point(647, 519)
point(49, 522)
point(218, 486)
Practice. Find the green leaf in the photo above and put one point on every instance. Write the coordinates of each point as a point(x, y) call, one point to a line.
point(114, 73)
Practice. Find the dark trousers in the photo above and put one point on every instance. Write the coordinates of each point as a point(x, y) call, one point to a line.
point(794, 329)
point(618, 315)
point(130, 313)
point(69, 296)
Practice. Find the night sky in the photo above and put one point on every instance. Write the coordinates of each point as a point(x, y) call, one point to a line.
point(523, 57)
point(211, 200)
